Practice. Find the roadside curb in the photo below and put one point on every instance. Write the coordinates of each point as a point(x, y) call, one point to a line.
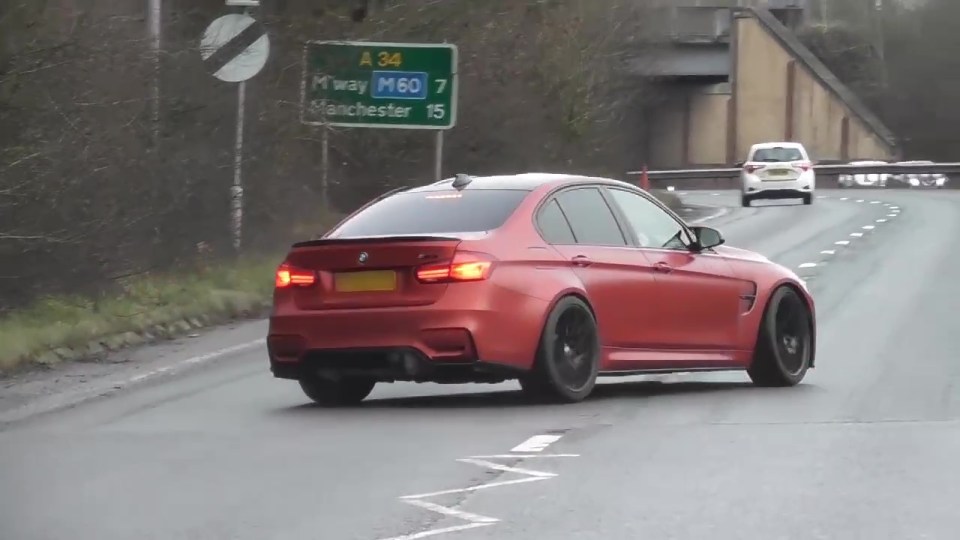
point(247, 308)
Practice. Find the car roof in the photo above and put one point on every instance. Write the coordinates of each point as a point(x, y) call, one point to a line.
point(764, 145)
point(523, 182)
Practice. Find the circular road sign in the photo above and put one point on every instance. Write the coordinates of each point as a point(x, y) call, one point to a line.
point(234, 47)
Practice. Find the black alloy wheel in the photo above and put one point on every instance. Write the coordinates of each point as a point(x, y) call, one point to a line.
point(569, 354)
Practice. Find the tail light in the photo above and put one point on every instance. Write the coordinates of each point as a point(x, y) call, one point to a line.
point(751, 168)
point(465, 266)
point(805, 166)
point(291, 276)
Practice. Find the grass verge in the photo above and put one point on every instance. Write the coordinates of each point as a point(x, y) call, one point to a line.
point(68, 328)
point(60, 329)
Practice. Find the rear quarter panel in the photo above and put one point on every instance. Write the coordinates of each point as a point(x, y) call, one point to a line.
point(531, 276)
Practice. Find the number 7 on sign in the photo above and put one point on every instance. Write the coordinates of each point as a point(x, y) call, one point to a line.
point(441, 85)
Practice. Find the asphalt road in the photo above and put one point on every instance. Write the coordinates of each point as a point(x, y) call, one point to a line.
point(195, 440)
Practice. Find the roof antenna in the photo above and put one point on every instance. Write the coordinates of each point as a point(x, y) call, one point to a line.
point(462, 180)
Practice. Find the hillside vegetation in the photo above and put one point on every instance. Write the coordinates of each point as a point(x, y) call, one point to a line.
point(107, 193)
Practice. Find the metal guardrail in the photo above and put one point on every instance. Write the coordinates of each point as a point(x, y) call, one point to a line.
point(726, 173)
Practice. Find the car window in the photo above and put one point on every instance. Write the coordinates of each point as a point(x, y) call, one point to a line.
point(554, 226)
point(777, 155)
point(434, 212)
point(652, 226)
point(590, 218)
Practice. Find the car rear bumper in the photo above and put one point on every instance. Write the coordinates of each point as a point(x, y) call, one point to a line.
point(753, 186)
point(496, 335)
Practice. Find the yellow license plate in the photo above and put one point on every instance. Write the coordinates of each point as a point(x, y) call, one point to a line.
point(778, 172)
point(372, 281)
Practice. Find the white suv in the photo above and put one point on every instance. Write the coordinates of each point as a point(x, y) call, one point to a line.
point(777, 170)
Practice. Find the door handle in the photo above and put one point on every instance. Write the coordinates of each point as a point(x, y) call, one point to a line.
point(581, 260)
point(663, 267)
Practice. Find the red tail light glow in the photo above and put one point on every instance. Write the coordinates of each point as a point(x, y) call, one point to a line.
point(290, 276)
point(464, 267)
point(805, 165)
point(752, 168)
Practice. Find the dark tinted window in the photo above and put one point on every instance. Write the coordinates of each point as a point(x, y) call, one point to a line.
point(554, 226)
point(777, 155)
point(434, 212)
point(590, 217)
point(652, 226)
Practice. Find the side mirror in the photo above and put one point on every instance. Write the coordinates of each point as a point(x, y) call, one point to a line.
point(707, 238)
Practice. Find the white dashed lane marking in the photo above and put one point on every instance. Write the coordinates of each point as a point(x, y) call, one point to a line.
point(537, 443)
point(893, 209)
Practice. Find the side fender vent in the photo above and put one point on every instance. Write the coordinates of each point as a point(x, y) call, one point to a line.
point(748, 297)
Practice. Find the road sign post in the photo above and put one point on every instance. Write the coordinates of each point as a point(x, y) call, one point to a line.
point(235, 48)
point(360, 84)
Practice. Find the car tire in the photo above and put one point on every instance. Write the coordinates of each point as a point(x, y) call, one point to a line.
point(745, 200)
point(808, 199)
point(337, 393)
point(568, 357)
point(784, 349)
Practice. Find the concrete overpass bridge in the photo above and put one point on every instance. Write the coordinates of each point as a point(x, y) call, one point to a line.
point(737, 75)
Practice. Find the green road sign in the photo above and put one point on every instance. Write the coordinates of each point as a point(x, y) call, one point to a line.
point(380, 85)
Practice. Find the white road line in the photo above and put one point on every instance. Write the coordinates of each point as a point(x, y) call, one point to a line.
point(453, 512)
point(198, 360)
point(859, 200)
point(524, 456)
point(868, 227)
point(533, 444)
point(808, 265)
point(476, 488)
point(874, 202)
point(892, 215)
point(856, 234)
point(537, 443)
point(821, 196)
point(842, 242)
point(844, 198)
point(715, 215)
point(434, 532)
point(881, 220)
point(827, 252)
point(894, 207)
point(504, 468)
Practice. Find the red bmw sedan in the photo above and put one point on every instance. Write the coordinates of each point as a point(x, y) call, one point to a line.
point(550, 279)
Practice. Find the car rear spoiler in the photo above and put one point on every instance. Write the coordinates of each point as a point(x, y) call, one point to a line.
point(374, 240)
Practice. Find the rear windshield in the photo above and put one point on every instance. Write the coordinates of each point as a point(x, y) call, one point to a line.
point(434, 213)
point(777, 154)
